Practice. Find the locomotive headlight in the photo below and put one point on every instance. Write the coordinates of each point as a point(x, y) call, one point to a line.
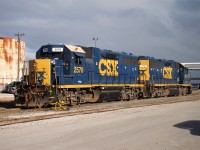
point(35, 65)
point(40, 79)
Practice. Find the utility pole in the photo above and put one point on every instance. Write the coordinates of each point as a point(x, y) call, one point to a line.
point(19, 35)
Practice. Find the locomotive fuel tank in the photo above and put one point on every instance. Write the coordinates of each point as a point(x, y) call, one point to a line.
point(110, 93)
point(173, 91)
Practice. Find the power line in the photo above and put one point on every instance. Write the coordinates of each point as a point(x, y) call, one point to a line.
point(19, 35)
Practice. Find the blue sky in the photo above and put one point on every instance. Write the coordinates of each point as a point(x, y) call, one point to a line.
point(167, 29)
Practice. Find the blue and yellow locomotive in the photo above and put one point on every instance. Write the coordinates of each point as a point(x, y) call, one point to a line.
point(78, 74)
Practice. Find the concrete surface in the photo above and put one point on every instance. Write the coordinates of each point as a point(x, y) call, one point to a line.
point(6, 97)
point(164, 127)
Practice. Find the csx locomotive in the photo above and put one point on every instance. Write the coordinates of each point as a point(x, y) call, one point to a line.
point(78, 74)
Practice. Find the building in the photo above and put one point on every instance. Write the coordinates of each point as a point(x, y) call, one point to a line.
point(9, 59)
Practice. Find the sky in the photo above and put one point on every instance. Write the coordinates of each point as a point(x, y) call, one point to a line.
point(166, 29)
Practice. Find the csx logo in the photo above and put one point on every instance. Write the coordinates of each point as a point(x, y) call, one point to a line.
point(167, 73)
point(108, 67)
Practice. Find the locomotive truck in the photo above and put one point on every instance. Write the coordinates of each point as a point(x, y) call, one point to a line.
point(78, 74)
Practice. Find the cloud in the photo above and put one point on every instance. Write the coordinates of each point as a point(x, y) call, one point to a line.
point(162, 29)
point(189, 6)
point(29, 54)
point(186, 18)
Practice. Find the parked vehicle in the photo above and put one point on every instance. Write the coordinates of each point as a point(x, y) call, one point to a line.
point(196, 85)
point(10, 88)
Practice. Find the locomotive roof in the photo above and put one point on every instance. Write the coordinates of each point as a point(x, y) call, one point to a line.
point(75, 48)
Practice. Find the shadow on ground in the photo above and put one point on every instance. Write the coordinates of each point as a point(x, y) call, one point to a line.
point(192, 125)
point(7, 104)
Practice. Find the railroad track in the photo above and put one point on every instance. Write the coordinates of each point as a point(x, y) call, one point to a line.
point(98, 109)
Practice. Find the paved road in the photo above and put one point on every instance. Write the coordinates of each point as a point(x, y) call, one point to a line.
point(165, 127)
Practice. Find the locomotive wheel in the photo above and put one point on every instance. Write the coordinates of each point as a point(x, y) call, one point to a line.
point(166, 92)
point(95, 97)
point(155, 93)
point(182, 91)
point(37, 101)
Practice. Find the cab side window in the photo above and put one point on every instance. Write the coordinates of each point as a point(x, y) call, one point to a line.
point(78, 60)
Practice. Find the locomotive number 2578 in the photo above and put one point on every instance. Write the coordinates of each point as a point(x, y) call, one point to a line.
point(78, 69)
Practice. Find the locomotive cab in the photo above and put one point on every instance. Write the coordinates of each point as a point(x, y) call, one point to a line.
point(66, 64)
